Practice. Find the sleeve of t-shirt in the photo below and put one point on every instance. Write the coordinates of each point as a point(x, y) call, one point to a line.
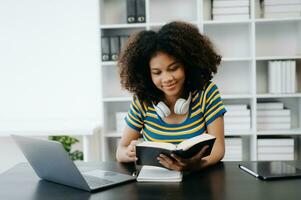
point(135, 116)
point(214, 106)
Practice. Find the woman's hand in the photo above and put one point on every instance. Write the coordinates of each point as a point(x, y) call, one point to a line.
point(130, 152)
point(126, 150)
point(179, 164)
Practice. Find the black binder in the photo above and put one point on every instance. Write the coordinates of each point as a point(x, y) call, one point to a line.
point(114, 43)
point(140, 7)
point(131, 11)
point(123, 40)
point(105, 48)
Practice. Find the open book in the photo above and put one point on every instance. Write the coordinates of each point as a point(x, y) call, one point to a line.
point(147, 152)
point(158, 174)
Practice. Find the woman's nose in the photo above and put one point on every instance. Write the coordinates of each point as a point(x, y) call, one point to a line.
point(167, 77)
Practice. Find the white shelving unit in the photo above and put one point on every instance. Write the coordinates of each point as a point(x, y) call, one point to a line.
point(246, 47)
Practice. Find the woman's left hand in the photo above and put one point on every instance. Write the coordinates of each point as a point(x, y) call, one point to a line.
point(177, 163)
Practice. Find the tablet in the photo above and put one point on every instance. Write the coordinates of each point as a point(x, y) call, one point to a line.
point(267, 170)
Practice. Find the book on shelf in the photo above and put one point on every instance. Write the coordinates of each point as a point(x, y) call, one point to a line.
point(273, 113)
point(158, 174)
point(233, 149)
point(105, 48)
point(270, 106)
point(275, 142)
point(233, 141)
point(131, 11)
point(148, 152)
point(230, 10)
point(233, 107)
point(281, 15)
point(238, 113)
point(237, 119)
point(274, 119)
point(231, 17)
point(278, 156)
point(275, 149)
point(282, 76)
point(140, 11)
point(230, 3)
point(237, 126)
point(282, 8)
point(281, 2)
point(273, 126)
point(115, 48)
point(292, 76)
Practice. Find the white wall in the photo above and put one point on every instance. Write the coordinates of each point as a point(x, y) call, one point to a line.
point(49, 69)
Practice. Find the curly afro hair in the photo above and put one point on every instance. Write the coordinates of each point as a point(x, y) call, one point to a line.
point(180, 40)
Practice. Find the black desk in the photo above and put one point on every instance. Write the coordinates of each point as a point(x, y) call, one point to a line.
point(223, 181)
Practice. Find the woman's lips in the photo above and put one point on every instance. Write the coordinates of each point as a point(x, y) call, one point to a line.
point(169, 87)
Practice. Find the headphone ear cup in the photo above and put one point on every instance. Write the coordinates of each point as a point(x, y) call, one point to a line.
point(179, 106)
point(182, 105)
point(162, 109)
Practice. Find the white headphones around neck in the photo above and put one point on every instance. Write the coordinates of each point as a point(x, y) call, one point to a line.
point(181, 107)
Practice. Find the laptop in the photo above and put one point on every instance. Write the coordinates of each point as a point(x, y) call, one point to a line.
point(269, 170)
point(51, 162)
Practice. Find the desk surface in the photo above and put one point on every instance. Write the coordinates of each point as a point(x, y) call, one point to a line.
point(223, 181)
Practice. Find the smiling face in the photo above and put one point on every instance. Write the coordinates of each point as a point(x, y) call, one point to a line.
point(168, 75)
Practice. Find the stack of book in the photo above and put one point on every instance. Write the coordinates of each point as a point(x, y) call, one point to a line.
point(230, 9)
point(275, 149)
point(120, 121)
point(111, 46)
point(282, 76)
point(233, 149)
point(273, 116)
point(281, 8)
point(238, 117)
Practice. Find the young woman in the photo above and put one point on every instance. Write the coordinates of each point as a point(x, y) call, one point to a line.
point(169, 72)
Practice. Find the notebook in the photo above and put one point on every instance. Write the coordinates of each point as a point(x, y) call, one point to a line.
point(52, 163)
point(267, 170)
point(158, 174)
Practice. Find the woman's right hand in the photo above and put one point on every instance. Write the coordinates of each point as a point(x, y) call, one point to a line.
point(130, 151)
point(126, 150)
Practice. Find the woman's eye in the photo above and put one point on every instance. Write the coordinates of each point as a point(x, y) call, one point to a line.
point(156, 72)
point(174, 68)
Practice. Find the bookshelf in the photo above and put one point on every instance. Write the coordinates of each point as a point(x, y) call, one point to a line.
point(246, 46)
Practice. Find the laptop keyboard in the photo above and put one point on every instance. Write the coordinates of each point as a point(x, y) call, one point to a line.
point(95, 182)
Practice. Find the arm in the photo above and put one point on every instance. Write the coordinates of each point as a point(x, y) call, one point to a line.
point(216, 128)
point(198, 161)
point(126, 148)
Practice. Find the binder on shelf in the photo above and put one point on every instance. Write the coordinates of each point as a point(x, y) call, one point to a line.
point(123, 40)
point(131, 11)
point(105, 48)
point(140, 11)
point(114, 44)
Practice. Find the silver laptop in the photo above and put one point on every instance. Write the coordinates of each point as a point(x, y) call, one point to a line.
point(51, 162)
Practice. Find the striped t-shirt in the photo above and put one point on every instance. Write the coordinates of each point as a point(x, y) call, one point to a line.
point(205, 106)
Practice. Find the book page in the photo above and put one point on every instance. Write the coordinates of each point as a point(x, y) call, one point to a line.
point(162, 145)
point(186, 144)
point(158, 174)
